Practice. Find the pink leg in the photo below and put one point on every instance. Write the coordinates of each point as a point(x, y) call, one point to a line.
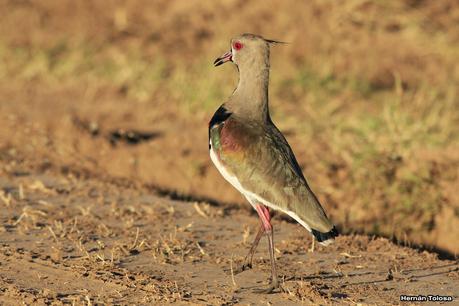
point(265, 217)
point(263, 213)
point(248, 260)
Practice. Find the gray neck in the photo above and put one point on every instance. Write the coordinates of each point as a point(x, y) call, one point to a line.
point(250, 99)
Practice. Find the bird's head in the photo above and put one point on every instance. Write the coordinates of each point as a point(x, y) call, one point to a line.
point(245, 49)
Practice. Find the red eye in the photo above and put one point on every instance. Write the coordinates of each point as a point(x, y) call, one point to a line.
point(238, 46)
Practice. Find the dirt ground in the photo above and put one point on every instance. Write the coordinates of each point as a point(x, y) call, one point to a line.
point(375, 128)
point(70, 238)
point(107, 192)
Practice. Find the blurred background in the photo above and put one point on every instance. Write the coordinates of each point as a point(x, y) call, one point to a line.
point(366, 93)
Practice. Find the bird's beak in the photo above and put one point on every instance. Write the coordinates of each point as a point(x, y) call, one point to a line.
point(223, 59)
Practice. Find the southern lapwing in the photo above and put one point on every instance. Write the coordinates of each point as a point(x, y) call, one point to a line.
point(253, 155)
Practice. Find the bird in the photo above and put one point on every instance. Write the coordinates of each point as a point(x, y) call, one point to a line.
point(252, 154)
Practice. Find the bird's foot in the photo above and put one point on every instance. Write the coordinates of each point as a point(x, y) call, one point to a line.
point(244, 267)
point(274, 286)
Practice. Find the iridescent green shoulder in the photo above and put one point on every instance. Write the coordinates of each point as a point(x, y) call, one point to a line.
point(215, 125)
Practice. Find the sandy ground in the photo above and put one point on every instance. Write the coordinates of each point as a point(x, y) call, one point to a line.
point(70, 238)
point(107, 192)
point(373, 126)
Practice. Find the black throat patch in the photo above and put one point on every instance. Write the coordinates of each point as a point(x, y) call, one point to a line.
point(220, 116)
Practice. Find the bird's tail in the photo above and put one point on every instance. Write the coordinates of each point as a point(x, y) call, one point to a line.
point(325, 238)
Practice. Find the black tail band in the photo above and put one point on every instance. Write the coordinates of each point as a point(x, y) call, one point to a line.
point(325, 236)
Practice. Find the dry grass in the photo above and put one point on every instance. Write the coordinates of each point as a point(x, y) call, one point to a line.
point(91, 241)
point(367, 91)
